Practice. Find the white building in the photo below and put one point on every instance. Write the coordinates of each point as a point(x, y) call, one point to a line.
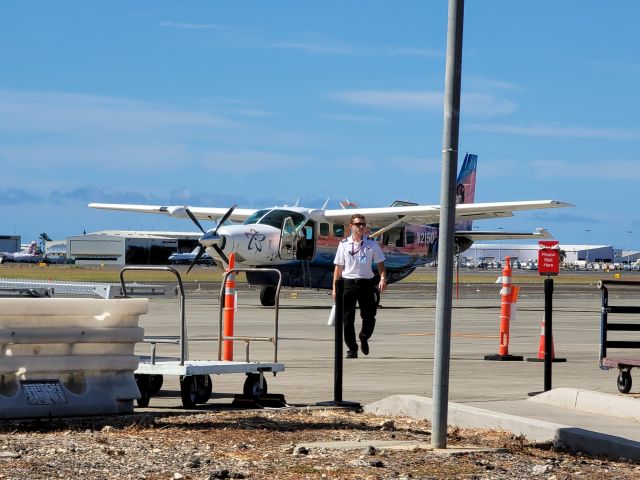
point(118, 247)
point(526, 253)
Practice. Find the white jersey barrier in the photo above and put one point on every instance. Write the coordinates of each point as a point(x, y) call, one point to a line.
point(68, 356)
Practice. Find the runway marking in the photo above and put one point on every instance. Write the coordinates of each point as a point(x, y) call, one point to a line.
point(462, 335)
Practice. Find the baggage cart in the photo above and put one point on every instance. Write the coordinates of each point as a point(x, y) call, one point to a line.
point(195, 375)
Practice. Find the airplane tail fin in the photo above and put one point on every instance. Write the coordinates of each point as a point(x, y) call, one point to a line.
point(31, 249)
point(466, 185)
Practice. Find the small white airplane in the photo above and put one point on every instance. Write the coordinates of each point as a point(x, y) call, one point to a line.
point(27, 255)
point(301, 242)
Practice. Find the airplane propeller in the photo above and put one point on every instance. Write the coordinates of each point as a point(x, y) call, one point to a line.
point(211, 238)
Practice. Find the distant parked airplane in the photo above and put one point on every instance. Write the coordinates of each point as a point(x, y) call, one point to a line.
point(188, 258)
point(301, 242)
point(27, 255)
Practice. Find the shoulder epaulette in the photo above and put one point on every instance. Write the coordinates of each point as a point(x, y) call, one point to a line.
point(344, 240)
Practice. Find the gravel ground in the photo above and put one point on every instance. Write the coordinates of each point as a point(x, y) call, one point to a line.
point(267, 444)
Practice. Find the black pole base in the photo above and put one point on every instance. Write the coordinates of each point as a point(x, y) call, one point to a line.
point(555, 360)
point(504, 358)
point(341, 404)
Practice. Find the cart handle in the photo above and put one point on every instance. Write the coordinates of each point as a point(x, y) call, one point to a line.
point(184, 347)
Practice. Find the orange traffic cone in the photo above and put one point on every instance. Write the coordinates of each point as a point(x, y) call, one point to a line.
point(229, 309)
point(507, 299)
point(540, 357)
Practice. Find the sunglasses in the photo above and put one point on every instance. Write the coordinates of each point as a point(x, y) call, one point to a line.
point(360, 225)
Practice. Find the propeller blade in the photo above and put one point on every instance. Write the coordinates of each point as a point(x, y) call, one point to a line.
point(194, 219)
point(221, 253)
point(201, 251)
point(224, 218)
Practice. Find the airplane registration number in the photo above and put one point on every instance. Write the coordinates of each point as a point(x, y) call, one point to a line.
point(426, 237)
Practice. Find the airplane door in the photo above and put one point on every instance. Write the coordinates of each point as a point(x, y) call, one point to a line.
point(288, 240)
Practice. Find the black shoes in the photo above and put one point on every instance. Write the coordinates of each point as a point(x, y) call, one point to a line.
point(352, 354)
point(364, 345)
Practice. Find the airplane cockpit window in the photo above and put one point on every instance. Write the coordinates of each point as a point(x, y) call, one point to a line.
point(275, 218)
point(255, 217)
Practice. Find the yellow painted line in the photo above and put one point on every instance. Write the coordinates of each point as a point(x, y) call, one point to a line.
point(462, 335)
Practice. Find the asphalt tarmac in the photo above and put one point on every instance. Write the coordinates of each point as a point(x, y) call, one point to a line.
point(402, 347)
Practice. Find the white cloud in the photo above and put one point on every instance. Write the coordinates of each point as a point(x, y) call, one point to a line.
point(409, 51)
point(481, 83)
point(54, 112)
point(485, 105)
point(477, 104)
point(195, 26)
point(345, 117)
point(311, 42)
point(557, 131)
point(416, 164)
point(395, 99)
point(248, 112)
point(250, 161)
point(104, 156)
point(619, 171)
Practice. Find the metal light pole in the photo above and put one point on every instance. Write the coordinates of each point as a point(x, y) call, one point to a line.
point(629, 232)
point(500, 248)
point(442, 337)
point(475, 227)
point(588, 232)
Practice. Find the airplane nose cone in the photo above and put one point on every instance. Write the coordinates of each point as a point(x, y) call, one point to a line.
point(220, 243)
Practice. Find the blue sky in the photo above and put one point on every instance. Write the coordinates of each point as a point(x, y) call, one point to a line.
point(211, 103)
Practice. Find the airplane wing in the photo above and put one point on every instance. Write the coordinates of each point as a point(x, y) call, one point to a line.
point(429, 214)
point(178, 211)
point(477, 235)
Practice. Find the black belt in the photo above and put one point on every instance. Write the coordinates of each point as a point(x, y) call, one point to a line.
point(356, 281)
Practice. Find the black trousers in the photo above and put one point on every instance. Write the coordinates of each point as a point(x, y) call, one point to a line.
point(360, 291)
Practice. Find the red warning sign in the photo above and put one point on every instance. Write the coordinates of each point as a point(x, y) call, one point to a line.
point(548, 257)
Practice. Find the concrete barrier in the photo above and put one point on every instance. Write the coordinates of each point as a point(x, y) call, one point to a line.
point(68, 356)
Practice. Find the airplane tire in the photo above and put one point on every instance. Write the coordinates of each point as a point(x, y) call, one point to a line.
point(268, 296)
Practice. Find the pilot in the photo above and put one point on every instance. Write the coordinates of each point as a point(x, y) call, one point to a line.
point(353, 263)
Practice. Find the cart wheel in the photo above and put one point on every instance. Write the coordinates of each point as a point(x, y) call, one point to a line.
point(155, 382)
point(624, 381)
point(144, 385)
point(204, 388)
point(188, 391)
point(252, 386)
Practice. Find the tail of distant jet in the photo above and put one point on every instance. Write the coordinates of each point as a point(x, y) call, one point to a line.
point(466, 185)
point(31, 249)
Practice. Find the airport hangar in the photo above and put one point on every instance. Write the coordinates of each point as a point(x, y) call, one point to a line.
point(529, 253)
point(120, 247)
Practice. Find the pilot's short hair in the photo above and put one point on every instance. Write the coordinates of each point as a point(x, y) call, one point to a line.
point(357, 215)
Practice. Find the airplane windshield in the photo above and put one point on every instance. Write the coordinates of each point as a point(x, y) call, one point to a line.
point(275, 218)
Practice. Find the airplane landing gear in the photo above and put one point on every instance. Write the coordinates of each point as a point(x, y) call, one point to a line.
point(268, 296)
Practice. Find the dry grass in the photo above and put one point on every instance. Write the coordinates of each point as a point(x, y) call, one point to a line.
point(201, 274)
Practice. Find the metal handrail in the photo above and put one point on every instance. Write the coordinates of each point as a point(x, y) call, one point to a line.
point(248, 340)
point(184, 347)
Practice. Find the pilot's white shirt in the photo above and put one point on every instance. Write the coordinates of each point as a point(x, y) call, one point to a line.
point(356, 257)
